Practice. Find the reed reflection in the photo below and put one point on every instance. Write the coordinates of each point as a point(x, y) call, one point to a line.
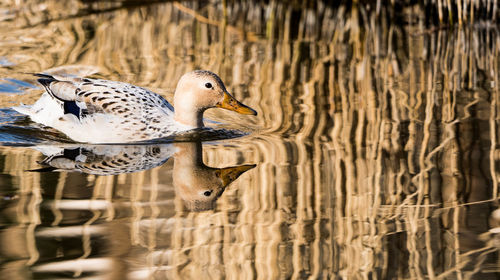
point(198, 185)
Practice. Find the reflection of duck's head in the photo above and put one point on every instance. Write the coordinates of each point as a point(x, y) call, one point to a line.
point(198, 185)
point(200, 90)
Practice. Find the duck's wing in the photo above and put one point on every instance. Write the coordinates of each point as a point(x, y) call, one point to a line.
point(83, 96)
point(105, 159)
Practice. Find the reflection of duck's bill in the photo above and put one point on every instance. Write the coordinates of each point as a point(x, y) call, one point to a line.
point(229, 174)
point(230, 103)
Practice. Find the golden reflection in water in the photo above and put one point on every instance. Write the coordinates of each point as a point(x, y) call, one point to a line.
point(376, 144)
point(85, 209)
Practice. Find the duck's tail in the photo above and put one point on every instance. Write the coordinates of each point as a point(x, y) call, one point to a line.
point(45, 81)
point(45, 111)
point(24, 109)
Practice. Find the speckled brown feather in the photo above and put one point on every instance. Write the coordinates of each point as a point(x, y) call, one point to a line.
point(139, 110)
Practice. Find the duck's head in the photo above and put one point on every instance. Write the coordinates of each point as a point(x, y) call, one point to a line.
point(200, 90)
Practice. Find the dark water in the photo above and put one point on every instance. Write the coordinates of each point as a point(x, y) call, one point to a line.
point(374, 154)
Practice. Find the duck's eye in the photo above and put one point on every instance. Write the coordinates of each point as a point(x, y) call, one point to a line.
point(207, 193)
point(208, 85)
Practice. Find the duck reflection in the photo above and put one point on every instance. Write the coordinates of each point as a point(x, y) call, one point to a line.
point(198, 185)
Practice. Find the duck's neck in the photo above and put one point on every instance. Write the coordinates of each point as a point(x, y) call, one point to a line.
point(187, 112)
point(189, 118)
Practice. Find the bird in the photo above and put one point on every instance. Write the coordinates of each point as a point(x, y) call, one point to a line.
point(101, 111)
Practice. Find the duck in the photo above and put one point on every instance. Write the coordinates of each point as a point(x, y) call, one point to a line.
point(101, 111)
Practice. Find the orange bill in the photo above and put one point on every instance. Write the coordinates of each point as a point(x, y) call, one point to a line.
point(230, 103)
point(230, 174)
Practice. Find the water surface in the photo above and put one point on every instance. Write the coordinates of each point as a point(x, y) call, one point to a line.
point(376, 146)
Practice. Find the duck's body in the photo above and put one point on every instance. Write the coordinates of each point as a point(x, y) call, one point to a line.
point(101, 111)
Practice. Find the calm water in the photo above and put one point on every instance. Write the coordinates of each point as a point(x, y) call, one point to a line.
point(374, 154)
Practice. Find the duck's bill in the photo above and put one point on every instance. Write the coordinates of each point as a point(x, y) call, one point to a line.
point(229, 174)
point(230, 103)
